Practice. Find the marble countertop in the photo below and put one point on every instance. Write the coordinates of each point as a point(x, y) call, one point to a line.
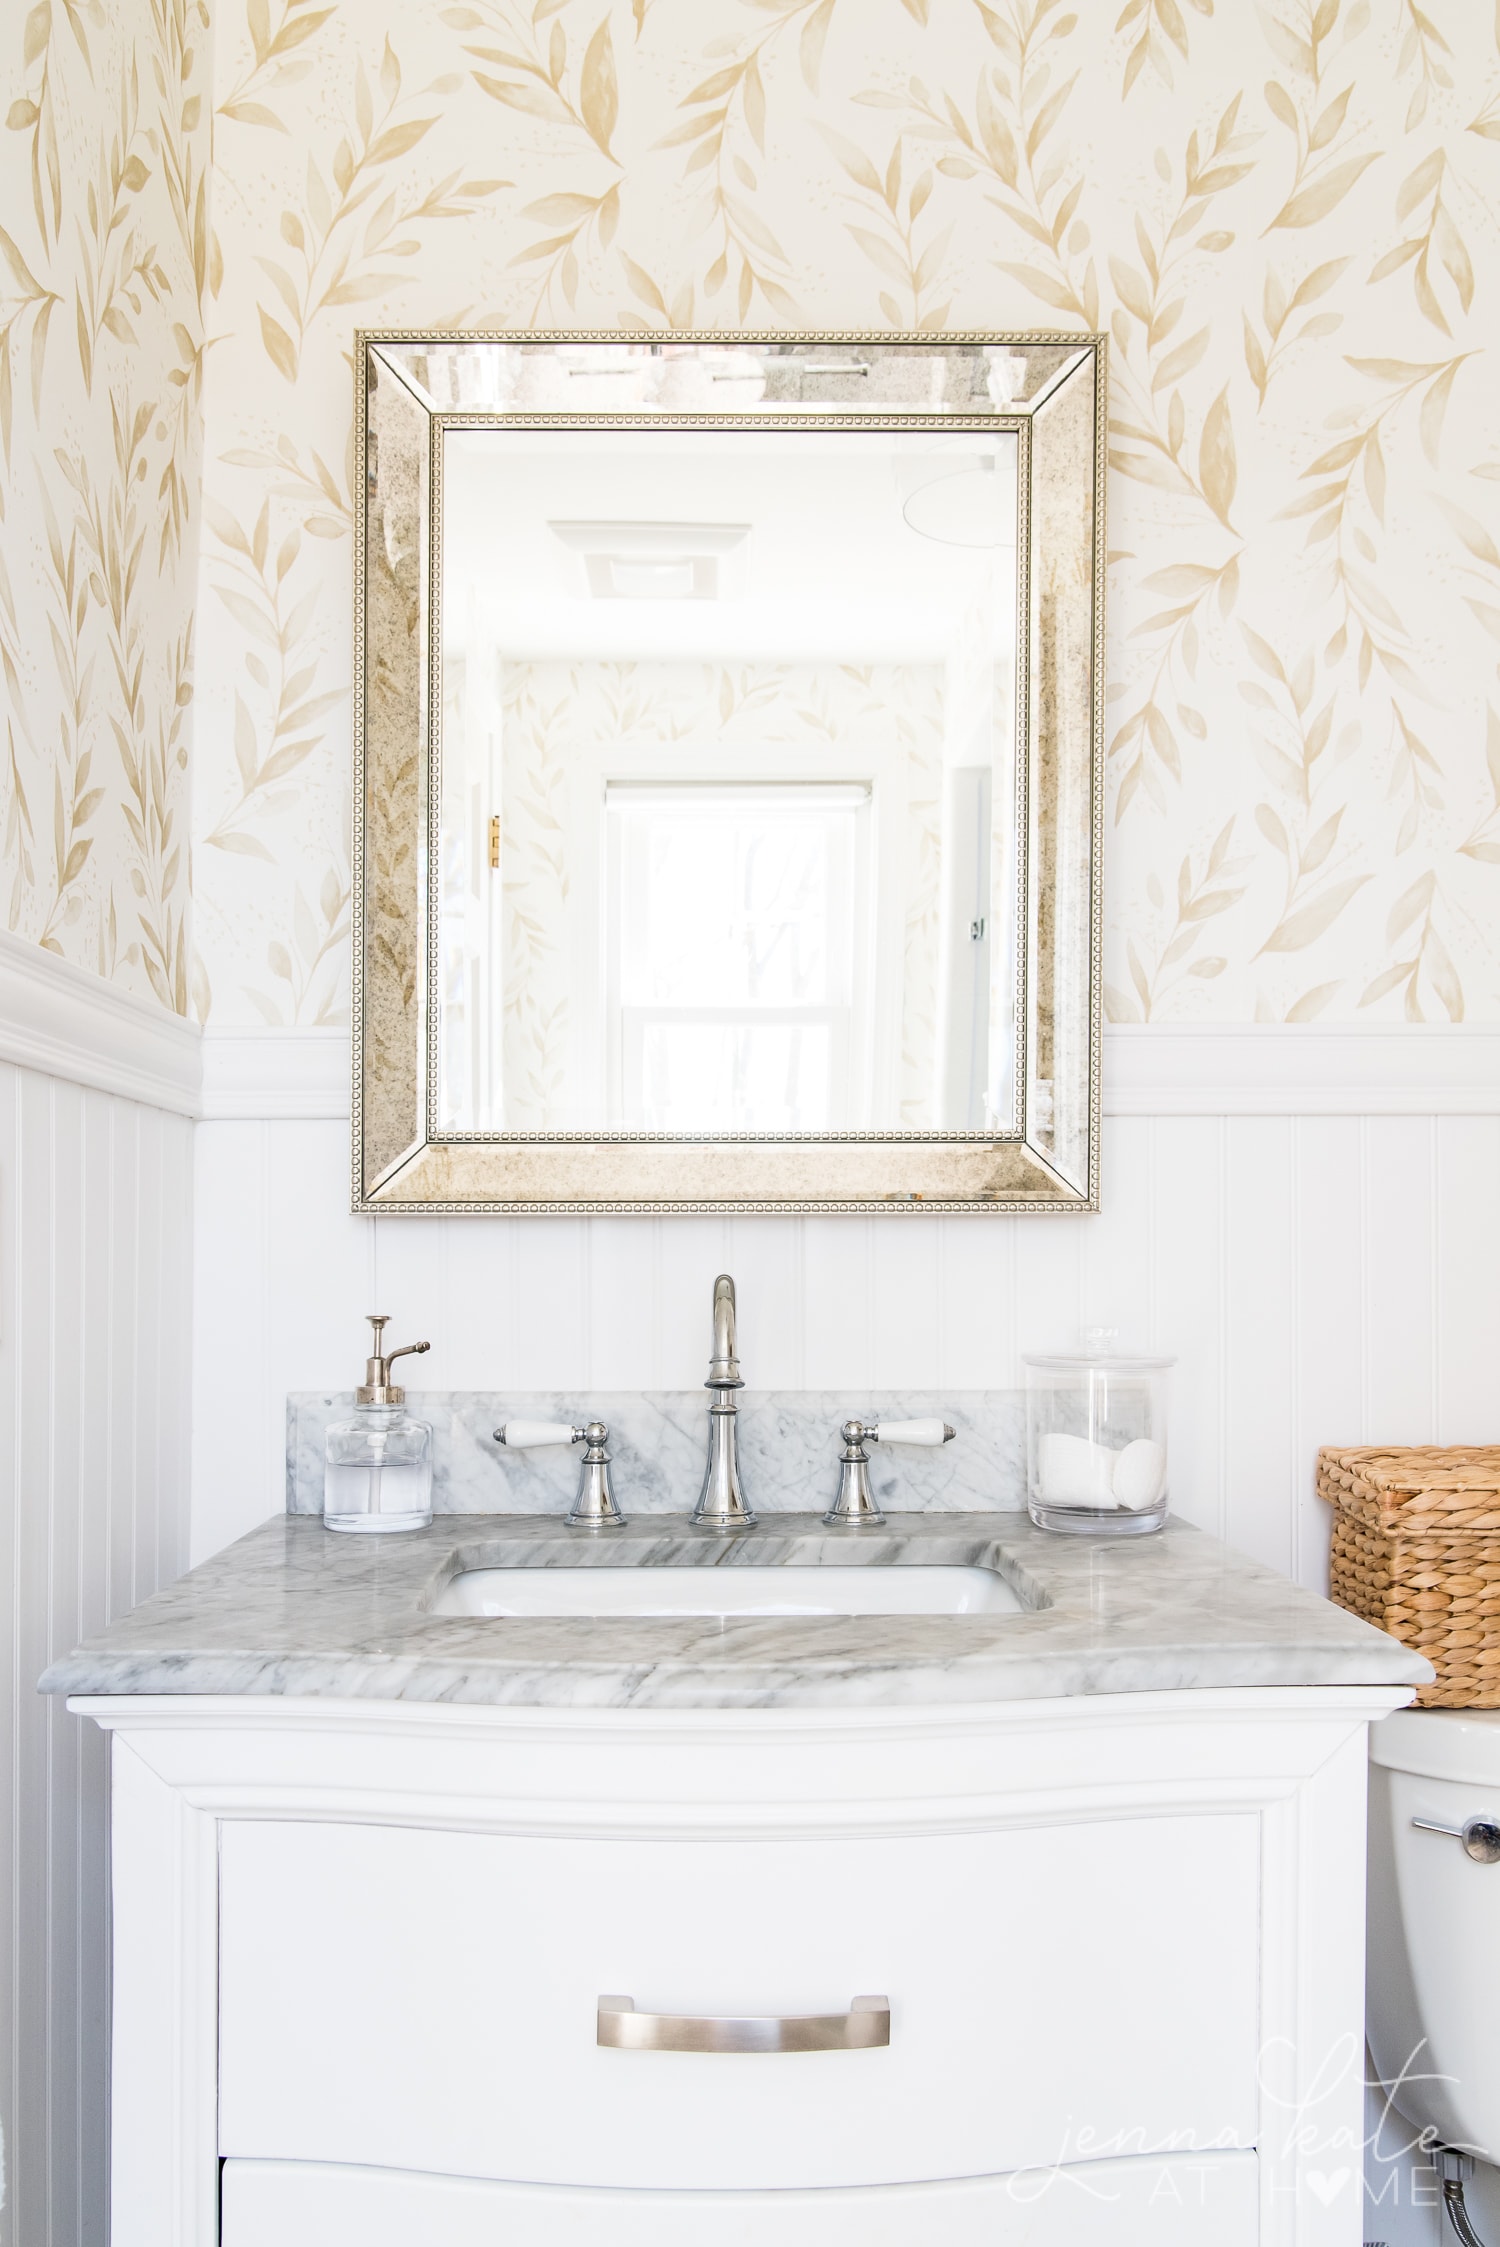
point(296, 1610)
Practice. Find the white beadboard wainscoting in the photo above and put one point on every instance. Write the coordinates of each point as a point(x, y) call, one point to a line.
point(1322, 1275)
point(95, 1351)
point(1309, 1219)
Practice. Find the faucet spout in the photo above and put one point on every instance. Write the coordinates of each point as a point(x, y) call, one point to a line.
point(724, 1366)
point(721, 1503)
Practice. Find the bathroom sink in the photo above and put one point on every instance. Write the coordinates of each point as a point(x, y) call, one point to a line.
point(720, 1592)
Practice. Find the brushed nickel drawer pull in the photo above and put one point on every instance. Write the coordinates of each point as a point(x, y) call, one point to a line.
point(866, 2025)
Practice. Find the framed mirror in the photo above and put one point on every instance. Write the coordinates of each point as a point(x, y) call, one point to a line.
point(728, 772)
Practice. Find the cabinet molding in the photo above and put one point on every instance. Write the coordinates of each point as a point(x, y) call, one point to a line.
point(1151, 2202)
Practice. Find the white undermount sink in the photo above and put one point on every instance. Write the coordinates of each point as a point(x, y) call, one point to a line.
point(715, 1592)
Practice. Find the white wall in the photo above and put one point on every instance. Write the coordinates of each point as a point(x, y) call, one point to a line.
point(1322, 1275)
point(95, 1226)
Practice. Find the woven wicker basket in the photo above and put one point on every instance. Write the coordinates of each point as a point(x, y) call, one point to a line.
point(1416, 1550)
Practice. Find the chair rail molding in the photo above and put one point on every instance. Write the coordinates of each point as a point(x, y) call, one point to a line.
point(64, 1022)
point(275, 1076)
point(1150, 1069)
point(1302, 1069)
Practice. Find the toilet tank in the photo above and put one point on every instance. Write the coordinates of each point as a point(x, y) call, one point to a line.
point(1433, 1930)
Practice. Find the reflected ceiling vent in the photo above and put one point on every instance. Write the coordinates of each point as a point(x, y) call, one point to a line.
point(659, 561)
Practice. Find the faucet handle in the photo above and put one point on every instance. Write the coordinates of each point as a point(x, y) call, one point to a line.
point(535, 1435)
point(855, 1506)
point(910, 1431)
point(594, 1507)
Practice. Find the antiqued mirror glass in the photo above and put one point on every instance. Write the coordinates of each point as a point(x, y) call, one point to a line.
point(727, 785)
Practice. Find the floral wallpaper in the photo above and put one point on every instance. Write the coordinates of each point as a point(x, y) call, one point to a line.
point(1285, 218)
point(104, 253)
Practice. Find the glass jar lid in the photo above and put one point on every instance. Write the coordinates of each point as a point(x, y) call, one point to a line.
point(1107, 1361)
point(1098, 1352)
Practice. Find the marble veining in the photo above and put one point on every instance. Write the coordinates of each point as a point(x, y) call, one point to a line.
point(658, 1441)
point(295, 1609)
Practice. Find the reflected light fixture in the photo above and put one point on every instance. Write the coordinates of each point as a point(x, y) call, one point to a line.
point(963, 507)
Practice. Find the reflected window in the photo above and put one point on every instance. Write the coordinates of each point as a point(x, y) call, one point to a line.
point(736, 954)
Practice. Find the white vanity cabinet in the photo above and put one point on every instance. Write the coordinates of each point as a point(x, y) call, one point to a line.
point(360, 1949)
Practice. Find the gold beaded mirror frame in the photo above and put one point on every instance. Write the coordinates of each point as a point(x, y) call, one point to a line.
point(728, 773)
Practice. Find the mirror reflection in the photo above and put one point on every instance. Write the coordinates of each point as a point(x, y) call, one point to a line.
point(728, 823)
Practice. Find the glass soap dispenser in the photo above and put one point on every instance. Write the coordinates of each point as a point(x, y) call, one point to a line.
point(377, 1471)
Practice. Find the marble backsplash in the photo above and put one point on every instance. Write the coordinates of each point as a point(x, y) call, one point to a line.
point(658, 1442)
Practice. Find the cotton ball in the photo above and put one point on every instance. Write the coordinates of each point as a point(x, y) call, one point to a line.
point(1071, 1471)
point(1140, 1472)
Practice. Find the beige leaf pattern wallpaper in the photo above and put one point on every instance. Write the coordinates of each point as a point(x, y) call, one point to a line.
point(1286, 218)
point(104, 247)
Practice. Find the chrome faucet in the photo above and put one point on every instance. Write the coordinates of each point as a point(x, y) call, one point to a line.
point(594, 1507)
point(856, 1506)
point(721, 1502)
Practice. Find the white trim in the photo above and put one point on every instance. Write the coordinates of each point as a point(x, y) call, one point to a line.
point(1166, 2198)
point(254, 1075)
point(1203, 1069)
point(1280, 1069)
point(175, 1717)
point(64, 1022)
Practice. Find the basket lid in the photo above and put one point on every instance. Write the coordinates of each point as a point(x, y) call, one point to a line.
point(1414, 1486)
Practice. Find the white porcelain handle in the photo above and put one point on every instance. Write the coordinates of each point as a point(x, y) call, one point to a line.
point(532, 1435)
point(912, 1431)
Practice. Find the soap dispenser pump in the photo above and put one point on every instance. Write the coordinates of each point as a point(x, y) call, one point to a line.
point(377, 1472)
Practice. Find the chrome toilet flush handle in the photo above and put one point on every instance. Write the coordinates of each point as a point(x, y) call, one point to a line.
point(594, 1507)
point(856, 1506)
point(1480, 1836)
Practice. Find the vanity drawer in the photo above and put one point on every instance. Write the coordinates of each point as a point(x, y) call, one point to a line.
point(429, 2001)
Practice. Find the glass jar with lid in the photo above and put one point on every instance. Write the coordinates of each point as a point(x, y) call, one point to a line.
point(1096, 1439)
